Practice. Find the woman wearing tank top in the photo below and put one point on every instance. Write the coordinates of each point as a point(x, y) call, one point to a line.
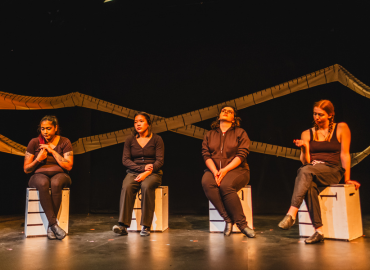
point(326, 158)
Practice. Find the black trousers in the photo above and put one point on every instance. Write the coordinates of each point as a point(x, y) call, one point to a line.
point(128, 194)
point(310, 181)
point(50, 203)
point(225, 197)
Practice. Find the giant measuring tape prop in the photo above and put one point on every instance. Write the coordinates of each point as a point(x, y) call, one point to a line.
point(182, 123)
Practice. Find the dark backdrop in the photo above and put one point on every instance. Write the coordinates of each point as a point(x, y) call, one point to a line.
point(167, 59)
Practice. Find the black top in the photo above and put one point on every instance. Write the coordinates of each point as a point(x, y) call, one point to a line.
point(328, 152)
point(136, 157)
point(223, 148)
point(49, 164)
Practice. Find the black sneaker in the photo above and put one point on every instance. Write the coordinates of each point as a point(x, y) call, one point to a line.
point(315, 238)
point(122, 230)
point(287, 222)
point(145, 231)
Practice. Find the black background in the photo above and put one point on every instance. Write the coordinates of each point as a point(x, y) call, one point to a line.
point(169, 58)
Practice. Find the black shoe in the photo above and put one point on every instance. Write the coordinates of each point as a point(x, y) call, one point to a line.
point(58, 231)
point(122, 230)
point(249, 232)
point(228, 228)
point(315, 238)
point(287, 222)
point(145, 231)
point(51, 234)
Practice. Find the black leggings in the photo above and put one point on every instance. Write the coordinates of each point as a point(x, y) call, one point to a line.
point(310, 181)
point(225, 197)
point(50, 204)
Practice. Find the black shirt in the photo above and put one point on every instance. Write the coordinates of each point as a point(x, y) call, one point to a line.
point(136, 157)
point(223, 148)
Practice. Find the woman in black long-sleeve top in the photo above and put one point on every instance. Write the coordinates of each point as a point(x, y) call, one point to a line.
point(143, 156)
point(225, 149)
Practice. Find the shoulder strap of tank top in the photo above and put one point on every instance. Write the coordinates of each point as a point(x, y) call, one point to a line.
point(334, 138)
point(311, 134)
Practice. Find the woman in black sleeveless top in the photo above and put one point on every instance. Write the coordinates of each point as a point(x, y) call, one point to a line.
point(326, 158)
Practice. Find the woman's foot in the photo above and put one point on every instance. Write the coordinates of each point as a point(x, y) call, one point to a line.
point(249, 232)
point(51, 234)
point(122, 230)
point(315, 238)
point(58, 231)
point(145, 231)
point(287, 222)
point(228, 228)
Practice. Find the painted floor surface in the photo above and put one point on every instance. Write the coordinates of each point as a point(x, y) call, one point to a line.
point(186, 245)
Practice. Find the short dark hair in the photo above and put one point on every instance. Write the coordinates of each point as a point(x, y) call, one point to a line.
point(216, 123)
point(148, 120)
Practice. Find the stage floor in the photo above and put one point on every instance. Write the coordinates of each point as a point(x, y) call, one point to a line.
point(186, 245)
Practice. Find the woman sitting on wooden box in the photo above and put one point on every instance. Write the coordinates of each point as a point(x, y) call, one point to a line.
point(143, 156)
point(49, 157)
point(326, 158)
point(225, 149)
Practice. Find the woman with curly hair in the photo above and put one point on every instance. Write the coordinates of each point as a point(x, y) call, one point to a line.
point(225, 149)
point(326, 158)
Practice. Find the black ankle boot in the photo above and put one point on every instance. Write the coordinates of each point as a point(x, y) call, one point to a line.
point(249, 232)
point(228, 228)
point(58, 231)
point(51, 234)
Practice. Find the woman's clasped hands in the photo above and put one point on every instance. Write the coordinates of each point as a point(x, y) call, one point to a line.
point(148, 171)
point(219, 175)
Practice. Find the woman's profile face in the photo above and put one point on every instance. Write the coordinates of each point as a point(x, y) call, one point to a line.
point(48, 130)
point(227, 114)
point(320, 116)
point(140, 124)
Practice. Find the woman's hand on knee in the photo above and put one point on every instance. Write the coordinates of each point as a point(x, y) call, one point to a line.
point(142, 176)
point(353, 182)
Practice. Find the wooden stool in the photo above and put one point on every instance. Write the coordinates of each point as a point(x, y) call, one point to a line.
point(36, 223)
point(340, 213)
point(160, 218)
point(217, 223)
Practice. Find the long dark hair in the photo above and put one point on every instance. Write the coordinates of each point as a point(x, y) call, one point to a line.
point(216, 124)
point(147, 117)
point(54, 121)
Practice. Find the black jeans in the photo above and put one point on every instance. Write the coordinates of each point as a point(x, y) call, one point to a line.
point(128, 195)
point(50, 204)
point(225, 197)
point(310, 181)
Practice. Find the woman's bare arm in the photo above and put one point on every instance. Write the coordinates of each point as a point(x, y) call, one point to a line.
point(304, 144)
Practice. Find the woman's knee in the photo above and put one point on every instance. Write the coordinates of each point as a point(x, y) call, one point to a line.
point(208, 180)
point(226, 189)
point(39, 181)
point(129, 181)
point(150, 184)
point(60, 181)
